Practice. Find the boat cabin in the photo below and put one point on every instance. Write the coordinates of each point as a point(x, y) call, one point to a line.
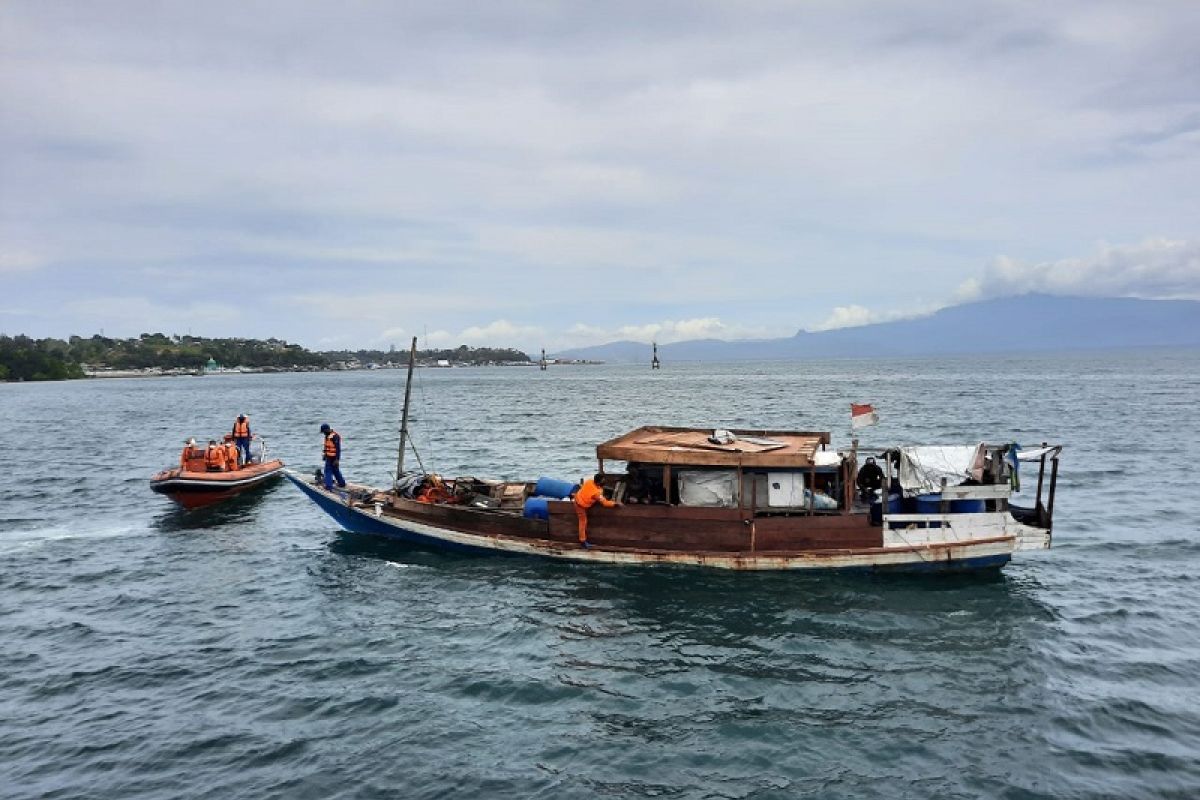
point(761, 472)
point(791, 473)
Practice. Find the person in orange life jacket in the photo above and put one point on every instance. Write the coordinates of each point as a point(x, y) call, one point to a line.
point(231, 454)
point(589, 494)
point(214, 457)
point(189, 452)
point(241, 436)
point(332, 453)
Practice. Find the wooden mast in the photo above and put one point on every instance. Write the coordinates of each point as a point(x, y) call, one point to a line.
point(412, 357)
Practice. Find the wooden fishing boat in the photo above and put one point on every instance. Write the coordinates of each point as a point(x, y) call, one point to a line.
point(192, 486)
point(744, 500)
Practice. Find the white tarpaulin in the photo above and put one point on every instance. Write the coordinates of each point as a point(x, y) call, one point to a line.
point(1037, 453)
point(711, 488)
point(922, 468)
point(827, 458)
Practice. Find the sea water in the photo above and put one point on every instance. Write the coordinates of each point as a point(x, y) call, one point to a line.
point(251, 650)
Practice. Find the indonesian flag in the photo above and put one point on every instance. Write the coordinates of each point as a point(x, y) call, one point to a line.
point(862, 415)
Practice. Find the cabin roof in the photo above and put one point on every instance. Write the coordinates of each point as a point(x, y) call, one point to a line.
point(691, 447)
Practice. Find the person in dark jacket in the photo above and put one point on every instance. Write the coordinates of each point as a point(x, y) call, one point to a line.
point(869, 480)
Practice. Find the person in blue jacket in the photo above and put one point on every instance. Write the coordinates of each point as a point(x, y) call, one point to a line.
point(332, 453)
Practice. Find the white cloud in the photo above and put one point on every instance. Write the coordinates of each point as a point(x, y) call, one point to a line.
point(853, 316)
point(500, 333)
point(1156, 268)
point(393, 335)
point(677, 330)
point(665, 332)
point(969, 290)
point(846, 317)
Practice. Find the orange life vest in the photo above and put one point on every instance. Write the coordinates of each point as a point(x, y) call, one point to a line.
point(589, 494)
point(214, 457)
point(434, 494)
point(231, 456)
point(331, 444)
point(241, 429)
point(435, 491)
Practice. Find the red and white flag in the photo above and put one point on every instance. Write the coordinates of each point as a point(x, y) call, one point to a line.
point(862, 415)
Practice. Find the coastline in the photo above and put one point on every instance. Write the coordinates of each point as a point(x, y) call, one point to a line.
point(183, 372)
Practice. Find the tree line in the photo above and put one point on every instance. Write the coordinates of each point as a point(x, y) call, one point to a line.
point(458, 355)
point(25, 359)
point(28, 359)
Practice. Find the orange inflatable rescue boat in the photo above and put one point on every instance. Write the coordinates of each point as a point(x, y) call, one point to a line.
point(207, 476)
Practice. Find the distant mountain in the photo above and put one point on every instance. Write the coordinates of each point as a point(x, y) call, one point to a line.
point(1026, 323)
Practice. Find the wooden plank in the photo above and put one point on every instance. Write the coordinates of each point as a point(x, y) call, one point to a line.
point(818, 522)
point(678, 528)
point(860, 540)
point(665, 445)
point(651, 430)
point(606, 533)
point(469, 520)
point(707, 458)
point(648, 511)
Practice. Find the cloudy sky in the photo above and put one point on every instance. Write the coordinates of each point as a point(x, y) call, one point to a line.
point(555, 174)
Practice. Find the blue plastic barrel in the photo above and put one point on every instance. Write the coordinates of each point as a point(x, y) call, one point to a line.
point(553, 487)
point(537, 508)
point(893, 507)
point(929, 504)
point(967, 506)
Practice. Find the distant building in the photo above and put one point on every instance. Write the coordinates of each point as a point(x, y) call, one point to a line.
point(212, 366)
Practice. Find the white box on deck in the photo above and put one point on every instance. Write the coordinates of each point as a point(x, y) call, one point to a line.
point(785, 490)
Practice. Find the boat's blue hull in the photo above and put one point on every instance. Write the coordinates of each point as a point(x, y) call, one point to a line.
point(356, 520)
